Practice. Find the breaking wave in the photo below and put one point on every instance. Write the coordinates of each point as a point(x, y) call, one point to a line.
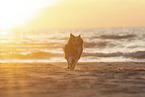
point(98, 43)
point(137, 54)
point(33, 55)
point(117, 36)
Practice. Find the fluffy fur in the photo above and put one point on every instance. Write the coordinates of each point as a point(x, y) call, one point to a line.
point(73, 50)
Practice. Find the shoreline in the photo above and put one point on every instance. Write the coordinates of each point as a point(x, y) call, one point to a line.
point(89, 79)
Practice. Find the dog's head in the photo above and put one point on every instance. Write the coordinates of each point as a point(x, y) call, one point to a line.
point(76, 40)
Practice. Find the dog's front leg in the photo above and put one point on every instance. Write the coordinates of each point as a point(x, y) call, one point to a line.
point(69, 63)
point(74, 64)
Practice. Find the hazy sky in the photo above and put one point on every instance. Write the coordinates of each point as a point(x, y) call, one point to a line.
point(89, 14)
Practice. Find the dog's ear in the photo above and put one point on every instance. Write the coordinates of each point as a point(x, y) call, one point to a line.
point(71, 35)
point(79, 35)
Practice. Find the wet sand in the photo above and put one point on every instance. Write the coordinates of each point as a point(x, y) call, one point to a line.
point(116, 79)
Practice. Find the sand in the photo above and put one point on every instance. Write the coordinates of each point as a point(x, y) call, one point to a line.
point(116, 79)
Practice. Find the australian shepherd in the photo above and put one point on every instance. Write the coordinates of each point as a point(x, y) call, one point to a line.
point(73, 50)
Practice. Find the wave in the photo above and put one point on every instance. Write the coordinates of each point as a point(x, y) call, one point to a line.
point(32, 43)
point(99, 44)
point(137, 54)
point(33, 55)
point(47, 55)
point(117, 36)
point(89, 44)
point(103, 54)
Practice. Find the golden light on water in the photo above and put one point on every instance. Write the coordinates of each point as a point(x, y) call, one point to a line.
point(3, 33)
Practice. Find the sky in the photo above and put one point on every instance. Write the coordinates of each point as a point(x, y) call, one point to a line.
point(38, 14)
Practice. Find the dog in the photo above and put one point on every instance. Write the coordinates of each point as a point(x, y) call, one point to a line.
point(73, 50)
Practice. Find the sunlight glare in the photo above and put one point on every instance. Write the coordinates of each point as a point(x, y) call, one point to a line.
point(16, 12)
point(3, 33)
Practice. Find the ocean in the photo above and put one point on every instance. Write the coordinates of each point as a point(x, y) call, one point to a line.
point(100, 45)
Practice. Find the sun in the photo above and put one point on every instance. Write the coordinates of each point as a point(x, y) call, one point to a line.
point(14, 13)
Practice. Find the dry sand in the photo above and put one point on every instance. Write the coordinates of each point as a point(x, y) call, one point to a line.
point(121, 79)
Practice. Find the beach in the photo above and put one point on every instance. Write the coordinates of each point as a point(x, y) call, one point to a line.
point(89, 79)
point(39, 37)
